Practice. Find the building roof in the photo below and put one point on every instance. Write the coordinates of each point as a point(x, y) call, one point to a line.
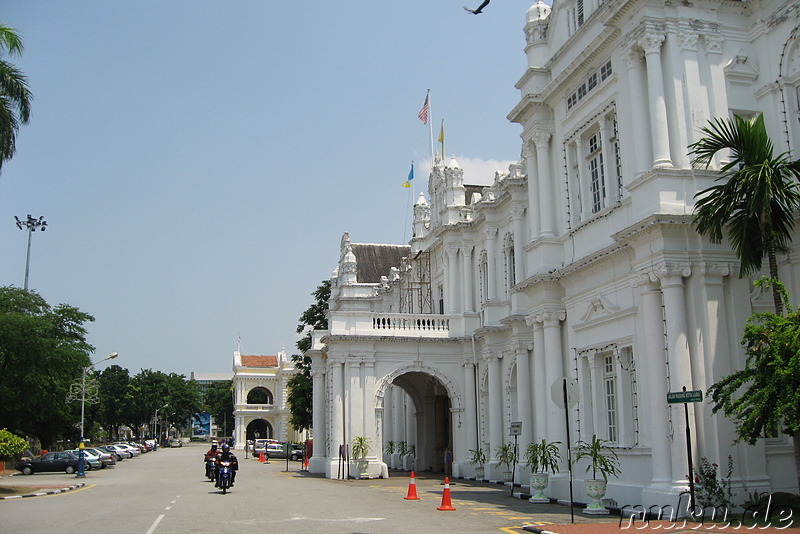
point(375, 261)
point(259, 361)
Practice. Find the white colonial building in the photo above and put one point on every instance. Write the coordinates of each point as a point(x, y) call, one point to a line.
point(579, 262)
point(261, 410)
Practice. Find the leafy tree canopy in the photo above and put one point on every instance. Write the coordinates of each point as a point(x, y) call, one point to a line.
point(300, 395)
point(218, 401)
point(11, 445)
point(15, 97)
point(43, 349)
point(764, 397)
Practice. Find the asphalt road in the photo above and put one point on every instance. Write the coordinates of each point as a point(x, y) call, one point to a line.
point(165, 492)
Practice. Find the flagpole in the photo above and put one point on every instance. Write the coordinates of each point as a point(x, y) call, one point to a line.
point(430, 128)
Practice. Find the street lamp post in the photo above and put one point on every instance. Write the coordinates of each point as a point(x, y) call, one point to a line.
point(79, 390)
point(155, 423)
point(31, 224)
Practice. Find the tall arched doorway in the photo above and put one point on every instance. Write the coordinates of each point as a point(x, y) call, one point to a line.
point(434, 424)
point(259, 429)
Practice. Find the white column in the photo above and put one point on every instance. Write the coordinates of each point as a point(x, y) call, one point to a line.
point(634, 131)
point(547, 201)
point(335, 368)
point(470, 411)
point(469, 282)
point(369, 426)
point(651, 43)
point(318, 414)
point(534, 222)
point(388, 423)
point(495, 395)
point(524, 403)
point(653, 374)
point(680, 362)
point(355, 419)
point(541, 387)
point(610, 184)
point(491, 260)
point(517, 214)
point(399, 410)
point(553, 361)
point(452, 283)
point(696, 96)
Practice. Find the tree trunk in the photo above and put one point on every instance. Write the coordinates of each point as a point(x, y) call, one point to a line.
point(773, 273)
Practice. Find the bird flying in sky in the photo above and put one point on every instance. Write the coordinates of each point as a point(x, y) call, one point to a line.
point(480, 8)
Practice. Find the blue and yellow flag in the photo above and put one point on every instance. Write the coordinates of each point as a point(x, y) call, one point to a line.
point(407, 183)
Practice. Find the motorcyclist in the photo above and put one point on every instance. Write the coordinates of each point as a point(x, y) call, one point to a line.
point(212, 453)
point(227, 456)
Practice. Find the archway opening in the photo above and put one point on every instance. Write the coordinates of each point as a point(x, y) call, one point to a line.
point(259, 429)
point(428, 412)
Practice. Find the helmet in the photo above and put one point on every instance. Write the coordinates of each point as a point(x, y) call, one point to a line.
point(226, 447)
point(213, 445)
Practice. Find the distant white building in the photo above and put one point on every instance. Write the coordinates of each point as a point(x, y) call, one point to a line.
point(260, 392)
point(579, 262)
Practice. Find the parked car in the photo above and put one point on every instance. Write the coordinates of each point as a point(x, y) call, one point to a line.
point(122, 453)
point(175, 442)
point(51, 462)
point(130, 448)
point(92, 458)
point(106, 457)
point(276, 450)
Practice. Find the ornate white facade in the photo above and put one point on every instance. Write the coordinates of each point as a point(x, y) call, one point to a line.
point(260, 406)
point(580, 262)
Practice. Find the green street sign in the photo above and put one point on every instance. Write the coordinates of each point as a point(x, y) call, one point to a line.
point(685, 396)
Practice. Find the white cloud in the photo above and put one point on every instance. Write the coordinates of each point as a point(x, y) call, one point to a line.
point(476, 171)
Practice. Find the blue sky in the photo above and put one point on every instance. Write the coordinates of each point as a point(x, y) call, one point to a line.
point(197, 162)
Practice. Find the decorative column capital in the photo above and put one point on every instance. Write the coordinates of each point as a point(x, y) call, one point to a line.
point(490, 231)
point(645, 278)
point(491, 357)
point(541, 136)
point(551, 318)
point(651, 41)
point(713, 43)
point(720, 270)
point(674, 273)
point(517, 212)
point(688, 36)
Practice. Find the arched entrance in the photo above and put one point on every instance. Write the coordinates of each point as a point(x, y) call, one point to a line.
point(259, 429)
point(434, 422)
point(259, 395)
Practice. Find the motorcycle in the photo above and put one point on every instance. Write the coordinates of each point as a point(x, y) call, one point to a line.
point(224, 475)
point(211, 468)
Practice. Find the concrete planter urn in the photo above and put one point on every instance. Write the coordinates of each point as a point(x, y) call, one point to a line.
point(480, 472)
point(539, 482)
point(595, 490)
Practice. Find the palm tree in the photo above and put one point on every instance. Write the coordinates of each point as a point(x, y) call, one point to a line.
point(15, 97)
point(755, 197)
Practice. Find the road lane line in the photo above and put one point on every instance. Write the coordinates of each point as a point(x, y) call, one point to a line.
point(155, 524)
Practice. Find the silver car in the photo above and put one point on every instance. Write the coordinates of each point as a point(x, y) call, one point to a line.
point(106, 457)
point(93, 460)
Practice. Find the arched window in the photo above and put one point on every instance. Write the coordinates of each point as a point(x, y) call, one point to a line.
point(509, 271)
point(259, 395)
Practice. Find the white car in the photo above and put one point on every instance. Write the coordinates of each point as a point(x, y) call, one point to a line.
point(130, 448)
point(122, 452)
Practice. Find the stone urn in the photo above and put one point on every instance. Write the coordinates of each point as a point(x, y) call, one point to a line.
point(480, 472)
point(539, 482)
point(595, 490)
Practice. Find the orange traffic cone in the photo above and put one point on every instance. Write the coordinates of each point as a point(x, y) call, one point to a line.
point(446, 506)
point(262, 458)
point(412, 489)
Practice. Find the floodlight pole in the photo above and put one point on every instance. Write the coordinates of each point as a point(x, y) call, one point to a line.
point(31, 225)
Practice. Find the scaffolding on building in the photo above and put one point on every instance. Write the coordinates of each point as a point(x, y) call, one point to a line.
point(415, 291)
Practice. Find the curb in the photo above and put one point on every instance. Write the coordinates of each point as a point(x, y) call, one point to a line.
point(40, 493)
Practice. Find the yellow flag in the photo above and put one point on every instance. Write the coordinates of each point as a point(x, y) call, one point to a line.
point(441, 138)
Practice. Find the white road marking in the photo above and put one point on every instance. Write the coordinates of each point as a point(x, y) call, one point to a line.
point(155, 524)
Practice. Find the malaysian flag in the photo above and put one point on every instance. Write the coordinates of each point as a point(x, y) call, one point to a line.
point(423, 113)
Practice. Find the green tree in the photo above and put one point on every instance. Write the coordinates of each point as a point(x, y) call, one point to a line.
point(11, 445)
point(149, 392)
point(43, 350)
point(219, 403)
point(301, 388)
point(764, 397)
point(15, 97)
point(755, 197)
point(114, 407)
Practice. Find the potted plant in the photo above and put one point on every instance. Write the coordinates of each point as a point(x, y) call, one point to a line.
point(360, 450)
point(543, 459)
point(478, 458)
point(603, 460)
point(411, 452)
point(506, 455)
